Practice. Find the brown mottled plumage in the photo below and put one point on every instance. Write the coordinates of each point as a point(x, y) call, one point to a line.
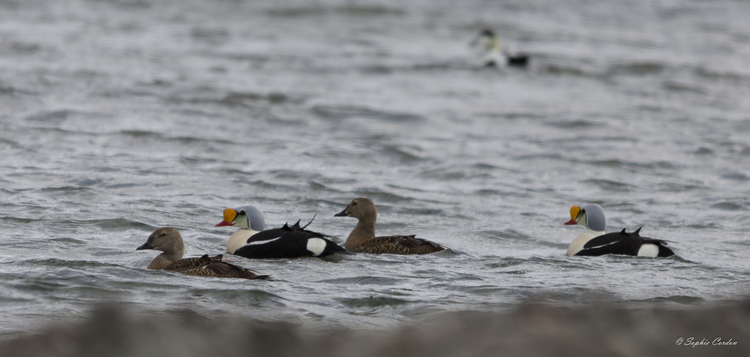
point(363, 240)
point(191, 263)
point(169, 241)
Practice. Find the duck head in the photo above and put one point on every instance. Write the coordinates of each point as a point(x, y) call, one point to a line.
point(590, 216)
point(245, 217)
point(167, 240)
point(490, 39)
point(359, 208)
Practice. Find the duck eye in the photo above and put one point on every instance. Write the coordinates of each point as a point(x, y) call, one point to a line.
point(354, 203)
point(242, 213)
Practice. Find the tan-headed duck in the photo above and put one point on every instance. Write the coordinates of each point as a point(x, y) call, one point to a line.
point(363, 240)
point(169, 241)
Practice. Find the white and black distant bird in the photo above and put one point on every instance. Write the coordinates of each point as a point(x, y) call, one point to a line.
point(253, 241)
point(495, 56)
point(593, 241)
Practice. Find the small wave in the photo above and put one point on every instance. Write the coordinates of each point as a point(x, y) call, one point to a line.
point(210, 35)
point(679, 187)
point(7, 90)
point(622, 163)
point(114, 223)
point(364, 280)
point(54, 262)
point(506, 262)
point(66, 241)
point(506, 234)
point(564, 70)
point(511, 115)
point(673, 86)
point(728, 206)
point(400, 153)
point(610, 185)
point(636, 68)
point(679, 299)
point(24, 48)
point(352, 10)
point(18, 219)
point(443, 174)
point(715, 75)
point(65, 189)
point(341, 112)
point(241, 294)
point(243, 98)
point(382, 196)
point(735, 176)
point(52, 116)
point(573, 124)
point(372, 301)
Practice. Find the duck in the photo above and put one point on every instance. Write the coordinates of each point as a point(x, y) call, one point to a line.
point(495, 56)
point(362, 239)
point(169, 241)
point(594, 242)
point(253, 241)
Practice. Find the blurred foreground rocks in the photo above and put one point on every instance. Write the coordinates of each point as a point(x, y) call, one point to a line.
point(532, 329)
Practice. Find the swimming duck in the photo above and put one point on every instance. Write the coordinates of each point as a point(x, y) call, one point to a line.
point(252, 241)
point(363, 240)
point(169, 241)
point(495, 56)
point(593, 241)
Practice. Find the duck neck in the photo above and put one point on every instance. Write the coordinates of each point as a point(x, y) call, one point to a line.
point(239, 239)
point(577, 244)
point(164, 259)
point(364, 230)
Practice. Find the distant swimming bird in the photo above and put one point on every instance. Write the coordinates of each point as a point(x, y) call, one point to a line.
point(495, 56)
point(169, 241)
point(363, 240)
point(593, 241)
point(252, 241)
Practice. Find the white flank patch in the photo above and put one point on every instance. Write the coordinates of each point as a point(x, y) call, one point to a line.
point(316, 246)
point(238, 239)
point(259, 242)
point(648, 250)
point(577, 244)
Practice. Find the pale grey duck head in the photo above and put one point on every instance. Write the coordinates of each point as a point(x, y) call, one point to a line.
point(247, 217)
point(590, 216)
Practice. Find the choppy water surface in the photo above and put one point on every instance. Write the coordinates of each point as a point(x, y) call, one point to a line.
point(119, 117)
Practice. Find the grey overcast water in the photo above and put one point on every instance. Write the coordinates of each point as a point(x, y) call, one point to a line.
point(121, 116)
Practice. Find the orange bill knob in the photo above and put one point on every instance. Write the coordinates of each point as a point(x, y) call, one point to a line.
point(229, 216)
point(574, 212)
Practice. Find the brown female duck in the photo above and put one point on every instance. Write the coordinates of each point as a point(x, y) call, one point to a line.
point(363, 240)
point(169, 241)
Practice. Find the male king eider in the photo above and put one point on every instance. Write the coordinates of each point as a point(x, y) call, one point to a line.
point(363, 240)
point(593, 241)
point(495, 56)
point(169, 241)
point(252, 241)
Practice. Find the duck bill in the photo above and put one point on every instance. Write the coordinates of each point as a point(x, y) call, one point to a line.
point(341, 214)
point(146, 245)
point(222, 224)
point(571, 222)
point(229, 216)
